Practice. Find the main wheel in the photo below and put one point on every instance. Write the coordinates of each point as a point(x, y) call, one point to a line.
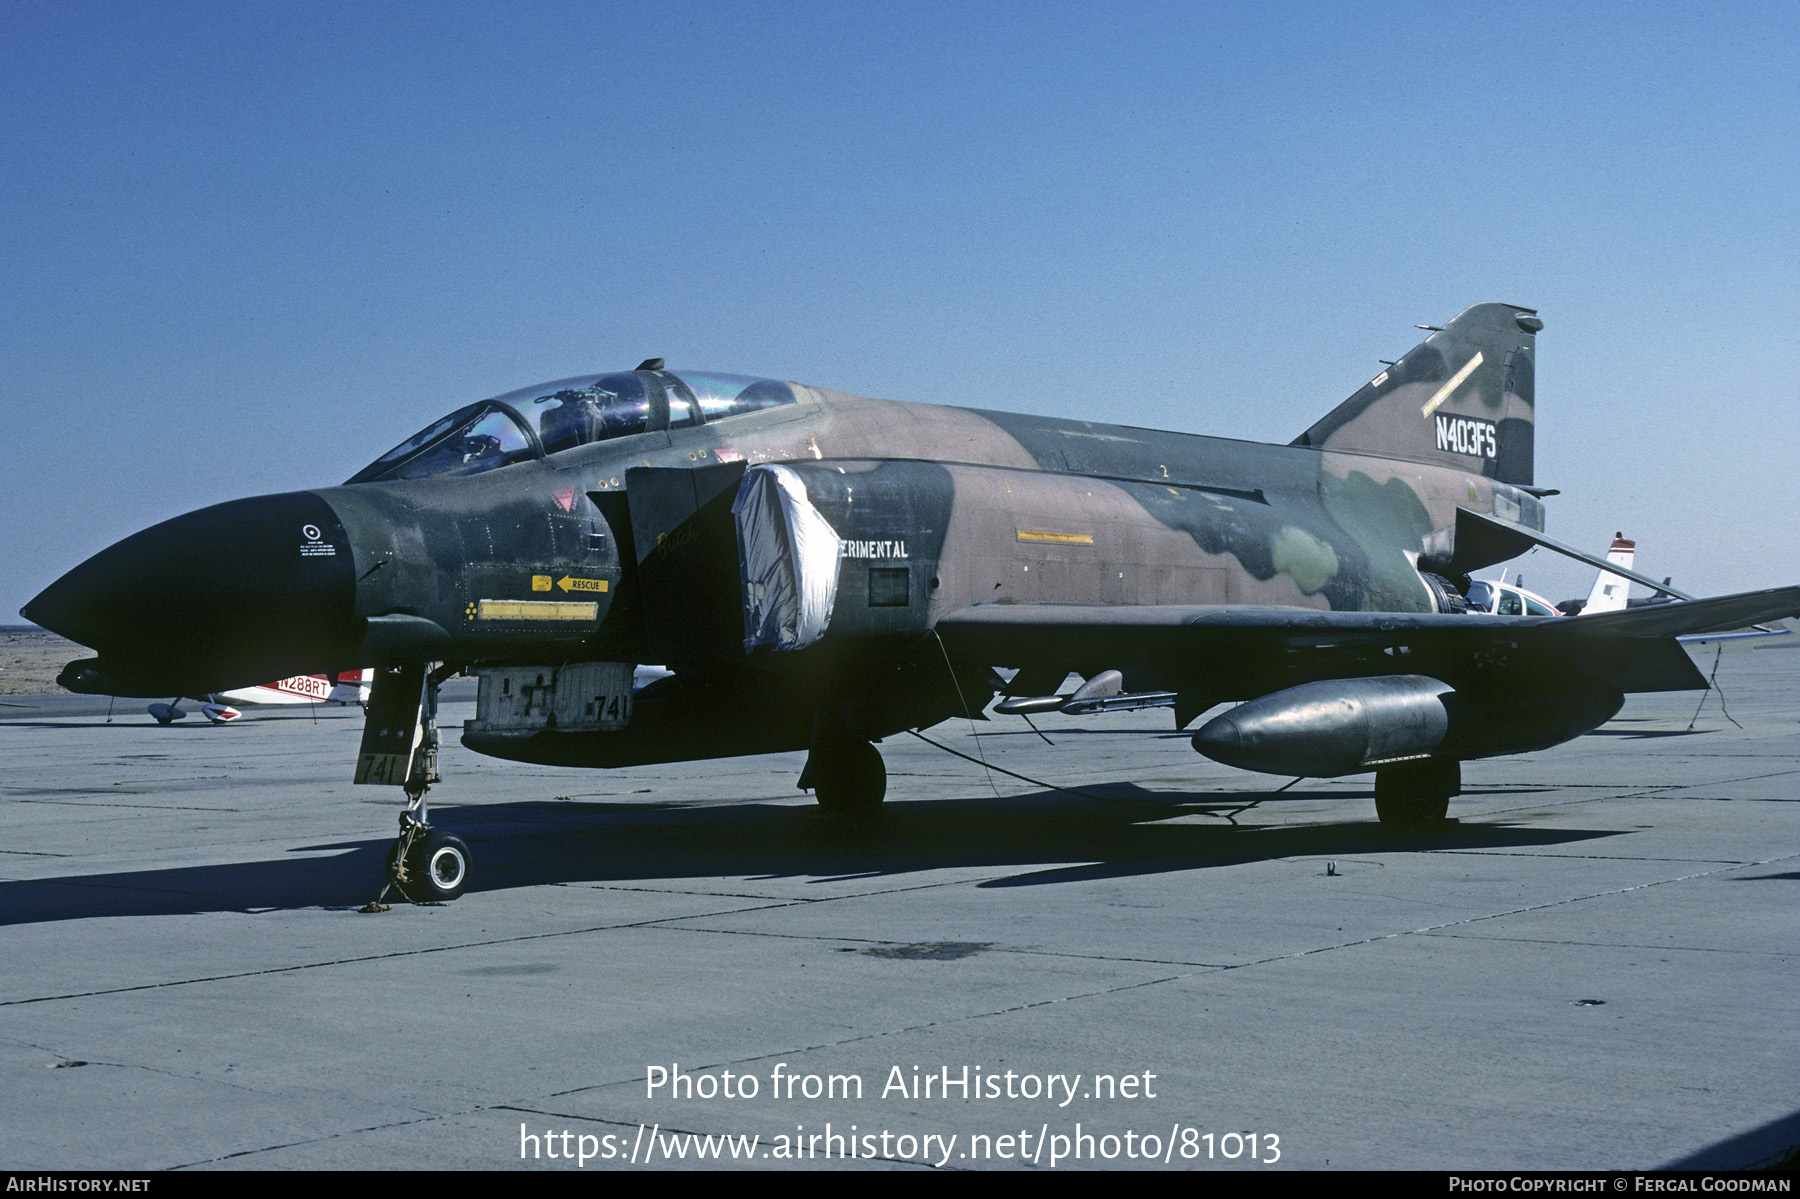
point(848, 779)
point(437, 868)
point(1416, 795)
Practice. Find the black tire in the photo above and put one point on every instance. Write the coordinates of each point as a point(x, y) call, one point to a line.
point(848, 779)
point(1416, 795)
point(437, 868)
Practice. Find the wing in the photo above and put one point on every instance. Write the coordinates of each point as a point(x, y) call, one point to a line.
point(1210, 654)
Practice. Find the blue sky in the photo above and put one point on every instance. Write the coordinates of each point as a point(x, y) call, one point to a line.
point(247, 247)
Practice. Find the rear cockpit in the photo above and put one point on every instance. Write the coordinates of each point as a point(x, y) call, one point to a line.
point(553, 417)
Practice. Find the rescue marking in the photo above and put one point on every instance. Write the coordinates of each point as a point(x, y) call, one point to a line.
point(1456, 381)
point(493, 609)
point(1056, 538)
point(572, 584)
point(1477, 438)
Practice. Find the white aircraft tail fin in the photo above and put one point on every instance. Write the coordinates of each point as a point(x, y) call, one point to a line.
point(1610, 590)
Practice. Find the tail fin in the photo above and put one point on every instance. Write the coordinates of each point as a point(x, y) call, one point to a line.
point(1610, 590)
point(1461, 398)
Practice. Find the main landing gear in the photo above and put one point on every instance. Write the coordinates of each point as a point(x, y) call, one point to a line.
point(1414, 796)
point(844, 772)
point(400, 748)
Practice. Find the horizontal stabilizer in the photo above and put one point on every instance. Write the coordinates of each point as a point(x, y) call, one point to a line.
point(1482, 539)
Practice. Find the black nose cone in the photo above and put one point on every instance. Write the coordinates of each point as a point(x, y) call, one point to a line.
point(239, 593)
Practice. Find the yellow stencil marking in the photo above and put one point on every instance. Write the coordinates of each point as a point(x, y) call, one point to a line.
point(540, 582)
point(572, 584)
point(1058, 538)
point(1456, 381)
point(491, 609)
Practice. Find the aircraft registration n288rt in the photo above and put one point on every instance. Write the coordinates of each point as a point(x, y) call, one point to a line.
point(820, 571)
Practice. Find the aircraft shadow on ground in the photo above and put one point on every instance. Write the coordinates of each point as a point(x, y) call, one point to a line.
point(1639, 735)
point(1047, 838)
point(1773, 1147)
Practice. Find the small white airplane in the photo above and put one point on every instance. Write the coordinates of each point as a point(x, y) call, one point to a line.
point(350, 687)
point(1501, 598)
point(1611, 591)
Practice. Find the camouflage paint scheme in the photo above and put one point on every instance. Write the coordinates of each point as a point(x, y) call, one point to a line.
point(1035, 543)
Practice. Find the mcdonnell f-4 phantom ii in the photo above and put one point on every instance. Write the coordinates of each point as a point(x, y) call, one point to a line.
point(820, 571)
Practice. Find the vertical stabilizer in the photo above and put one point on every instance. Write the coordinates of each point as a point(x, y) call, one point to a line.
point(1463, 397)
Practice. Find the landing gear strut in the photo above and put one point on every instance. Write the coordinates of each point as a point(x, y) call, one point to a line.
point(400, 748)
point(1413, 796)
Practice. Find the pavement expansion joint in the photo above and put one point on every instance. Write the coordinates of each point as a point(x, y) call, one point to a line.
point(1591, 857)
point(377, 957)
point(330, 1136)
point(827, 938)
point(1536, 907)
point(1606, 944)
point(66, 1061)
point(704, 894)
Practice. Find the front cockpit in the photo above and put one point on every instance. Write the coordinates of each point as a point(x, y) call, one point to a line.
point(552, 417)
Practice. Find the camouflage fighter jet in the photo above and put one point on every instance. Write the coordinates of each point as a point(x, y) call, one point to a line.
point(820, 571)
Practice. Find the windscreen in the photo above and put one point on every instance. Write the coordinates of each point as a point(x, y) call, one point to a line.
point(473, 439)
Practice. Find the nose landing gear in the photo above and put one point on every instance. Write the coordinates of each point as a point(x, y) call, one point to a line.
point(400, 748)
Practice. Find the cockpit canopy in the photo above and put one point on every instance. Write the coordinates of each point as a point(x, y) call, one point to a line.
point(552, 417)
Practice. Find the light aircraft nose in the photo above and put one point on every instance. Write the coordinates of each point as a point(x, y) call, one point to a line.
point(235, 594)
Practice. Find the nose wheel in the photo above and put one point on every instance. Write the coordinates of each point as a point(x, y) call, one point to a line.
point(426, 865)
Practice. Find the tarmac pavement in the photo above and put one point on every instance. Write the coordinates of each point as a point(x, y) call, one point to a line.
point(1594, 967)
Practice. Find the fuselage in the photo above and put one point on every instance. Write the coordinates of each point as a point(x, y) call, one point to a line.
point(938, 508)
